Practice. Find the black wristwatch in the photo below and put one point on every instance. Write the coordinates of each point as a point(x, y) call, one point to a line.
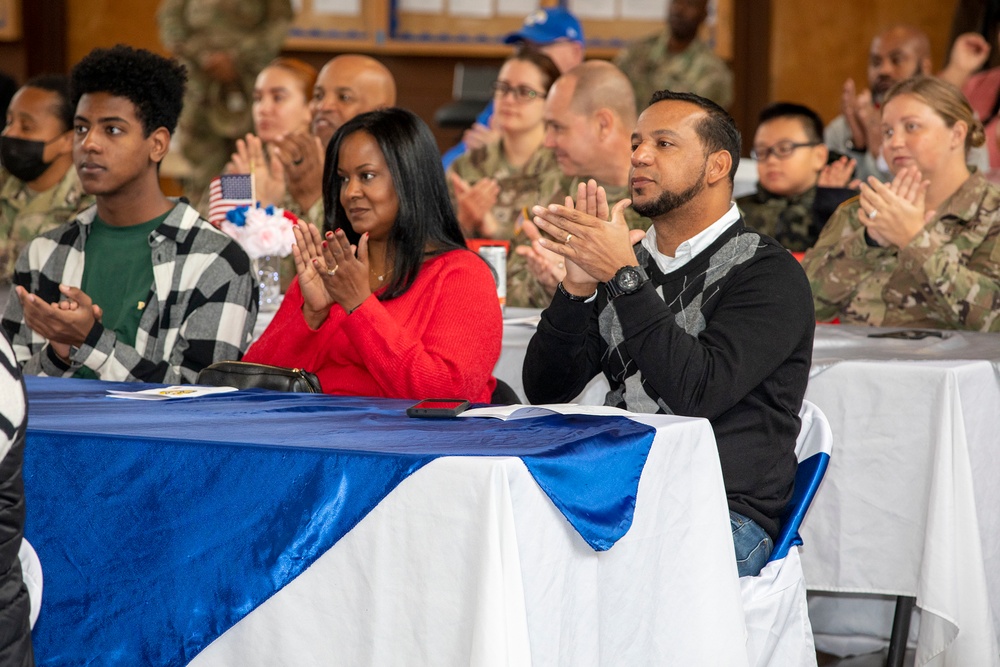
point(628, 280)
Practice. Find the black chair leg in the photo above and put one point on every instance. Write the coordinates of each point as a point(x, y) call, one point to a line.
point(900, 630)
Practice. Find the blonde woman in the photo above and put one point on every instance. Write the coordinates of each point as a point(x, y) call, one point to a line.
point(923, 250)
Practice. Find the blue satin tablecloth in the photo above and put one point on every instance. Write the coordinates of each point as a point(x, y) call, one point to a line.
point(160, 524)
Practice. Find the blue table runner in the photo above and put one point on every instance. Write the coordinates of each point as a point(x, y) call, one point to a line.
point(160, 524)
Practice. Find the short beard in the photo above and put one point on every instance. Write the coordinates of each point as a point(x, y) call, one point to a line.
point(669, 201)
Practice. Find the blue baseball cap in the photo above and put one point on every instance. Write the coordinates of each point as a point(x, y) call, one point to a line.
point(546, 26)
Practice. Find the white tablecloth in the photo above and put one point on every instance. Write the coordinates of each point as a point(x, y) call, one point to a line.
point(468, 562)
point(909, 503)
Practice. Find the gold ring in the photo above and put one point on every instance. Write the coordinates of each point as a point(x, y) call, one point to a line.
point(568, 237)
point(332, 271)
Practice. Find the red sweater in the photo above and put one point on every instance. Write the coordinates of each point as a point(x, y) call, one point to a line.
point(441, 339)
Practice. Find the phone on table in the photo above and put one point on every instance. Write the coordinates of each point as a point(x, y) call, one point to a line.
point(438, 408)
point(908, 334)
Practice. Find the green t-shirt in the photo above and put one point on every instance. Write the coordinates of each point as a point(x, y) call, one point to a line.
point(118, 276)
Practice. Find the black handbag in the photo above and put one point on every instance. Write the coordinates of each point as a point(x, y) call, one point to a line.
point(245, 375)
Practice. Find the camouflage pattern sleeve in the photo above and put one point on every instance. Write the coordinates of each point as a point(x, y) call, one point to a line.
point(838, 262)
point(710, 77)
point(651, 67)
point(947, 277)
point(25, 214)
point(959, 259)
point(254, 54)
point(173, 28)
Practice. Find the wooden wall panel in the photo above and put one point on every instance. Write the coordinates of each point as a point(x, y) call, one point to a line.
point(104, 23)
point(815, 47)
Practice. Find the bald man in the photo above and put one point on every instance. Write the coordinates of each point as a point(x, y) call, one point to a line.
point(896, 53)
point(347, 85)
point(589, 115)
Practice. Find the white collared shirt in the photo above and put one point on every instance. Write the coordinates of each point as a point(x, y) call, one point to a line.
point(690, 248)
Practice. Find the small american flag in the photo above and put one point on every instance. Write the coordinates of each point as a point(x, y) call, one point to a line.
point(226, 192)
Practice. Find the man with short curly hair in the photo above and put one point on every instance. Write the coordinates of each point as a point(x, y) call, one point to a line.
point(165, 294)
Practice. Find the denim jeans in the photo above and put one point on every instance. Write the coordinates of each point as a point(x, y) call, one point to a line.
point(753, 545)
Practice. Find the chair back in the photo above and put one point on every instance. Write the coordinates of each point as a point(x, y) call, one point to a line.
point(504, 394)
point(812, 449)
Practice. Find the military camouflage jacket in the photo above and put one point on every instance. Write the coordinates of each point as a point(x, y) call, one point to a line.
point(532, 184)
point(523, 288)
point(25, 214)
point(947, 277)
point(651, 67)
point(794, 222)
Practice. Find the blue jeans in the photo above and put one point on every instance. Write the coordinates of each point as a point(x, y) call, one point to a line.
point(753, 545)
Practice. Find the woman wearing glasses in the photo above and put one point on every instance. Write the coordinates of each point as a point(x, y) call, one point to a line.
point(797, 191)
point(924, 250)
point(492, 184)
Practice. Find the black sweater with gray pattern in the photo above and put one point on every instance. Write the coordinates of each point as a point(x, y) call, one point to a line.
point(727, 337)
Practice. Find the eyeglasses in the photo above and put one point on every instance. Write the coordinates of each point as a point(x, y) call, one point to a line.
point(521, 93)
point(781, 150)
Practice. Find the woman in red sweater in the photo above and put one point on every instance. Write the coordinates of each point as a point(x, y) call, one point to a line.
point(388, 302)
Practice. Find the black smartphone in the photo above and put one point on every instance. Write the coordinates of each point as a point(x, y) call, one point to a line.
point(438, 407)
point(908, 334)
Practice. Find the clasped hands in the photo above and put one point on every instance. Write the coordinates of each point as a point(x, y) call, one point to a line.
point(592, 245)
point(66, 323)
point(894, 213)
point(329, 272)
point(862, 118)
point(475, 203)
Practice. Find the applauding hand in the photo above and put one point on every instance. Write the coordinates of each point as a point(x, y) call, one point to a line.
point(895, 213)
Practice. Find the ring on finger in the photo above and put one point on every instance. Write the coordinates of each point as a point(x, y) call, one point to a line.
point(872, 214)
point(297, 161)
point(568, 237)
point(332, 271)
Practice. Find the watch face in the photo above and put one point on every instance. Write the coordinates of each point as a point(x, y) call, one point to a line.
point(628, 280)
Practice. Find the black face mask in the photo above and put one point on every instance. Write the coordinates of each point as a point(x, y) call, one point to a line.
point(24, 158)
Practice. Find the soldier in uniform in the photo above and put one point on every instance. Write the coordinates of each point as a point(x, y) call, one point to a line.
point(589, 116)
point(492, 184)
point(677, 60)
point(797, 191)
point(923, 251)
point(224, 44)
point(39, 188)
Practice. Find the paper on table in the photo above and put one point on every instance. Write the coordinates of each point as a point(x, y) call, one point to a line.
point(167, 393)
point(518, 411)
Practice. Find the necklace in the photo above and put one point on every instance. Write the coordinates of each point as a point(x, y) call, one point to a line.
point(377, 277)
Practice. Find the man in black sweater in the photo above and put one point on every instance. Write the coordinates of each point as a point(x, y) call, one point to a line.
point(703, 317)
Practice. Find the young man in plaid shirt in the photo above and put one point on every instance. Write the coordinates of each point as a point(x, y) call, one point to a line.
point(137, 287)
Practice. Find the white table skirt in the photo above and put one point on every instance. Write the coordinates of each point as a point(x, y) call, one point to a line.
point(908, 506)
point(468, 562)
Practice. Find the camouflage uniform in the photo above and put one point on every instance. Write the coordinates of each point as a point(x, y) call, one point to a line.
point(25, 214)
point(520, 188)
point(948, 277)
point(523, 288)
point(216, 114)
point(794, 222)
point(651, 67)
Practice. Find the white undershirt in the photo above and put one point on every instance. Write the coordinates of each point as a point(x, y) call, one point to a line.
point(690, 248)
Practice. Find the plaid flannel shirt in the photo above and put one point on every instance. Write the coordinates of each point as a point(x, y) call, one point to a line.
point(202, 305)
